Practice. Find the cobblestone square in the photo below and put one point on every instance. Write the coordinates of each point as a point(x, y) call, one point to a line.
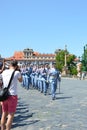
point(36, 111)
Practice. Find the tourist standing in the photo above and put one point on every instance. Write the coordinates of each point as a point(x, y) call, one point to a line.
point(9, 105)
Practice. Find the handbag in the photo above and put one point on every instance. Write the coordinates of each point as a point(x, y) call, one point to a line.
point(4, 92)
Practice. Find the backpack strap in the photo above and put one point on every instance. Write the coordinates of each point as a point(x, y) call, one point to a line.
point(11, 79)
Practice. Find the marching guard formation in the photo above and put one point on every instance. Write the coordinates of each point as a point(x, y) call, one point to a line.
point(44, 78)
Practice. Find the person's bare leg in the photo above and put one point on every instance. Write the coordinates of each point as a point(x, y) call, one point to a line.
point(3, 120)
point(9, 121)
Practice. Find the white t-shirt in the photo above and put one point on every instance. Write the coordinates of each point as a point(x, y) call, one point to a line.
point(6, 74)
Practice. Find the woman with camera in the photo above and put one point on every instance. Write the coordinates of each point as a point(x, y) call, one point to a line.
point(10, 104)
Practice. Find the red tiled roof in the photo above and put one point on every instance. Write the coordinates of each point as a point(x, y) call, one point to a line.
point(18, 55)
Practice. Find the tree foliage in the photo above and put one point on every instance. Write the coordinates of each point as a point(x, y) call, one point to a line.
point(60, 61)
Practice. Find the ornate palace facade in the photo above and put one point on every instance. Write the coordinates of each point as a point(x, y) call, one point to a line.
point(30, 56)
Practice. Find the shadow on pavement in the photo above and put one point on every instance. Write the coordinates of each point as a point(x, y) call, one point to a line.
point(62, 98)
point(22, 116)
point(59, 93)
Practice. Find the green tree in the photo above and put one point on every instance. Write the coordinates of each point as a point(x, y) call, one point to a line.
point(60, 61)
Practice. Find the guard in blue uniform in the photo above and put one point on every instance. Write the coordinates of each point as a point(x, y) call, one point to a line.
point(53, 77)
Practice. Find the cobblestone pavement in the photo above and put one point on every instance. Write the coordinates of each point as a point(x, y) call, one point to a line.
point(36, 111)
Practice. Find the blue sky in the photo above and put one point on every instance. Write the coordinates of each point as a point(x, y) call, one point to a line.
point(43, 25)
